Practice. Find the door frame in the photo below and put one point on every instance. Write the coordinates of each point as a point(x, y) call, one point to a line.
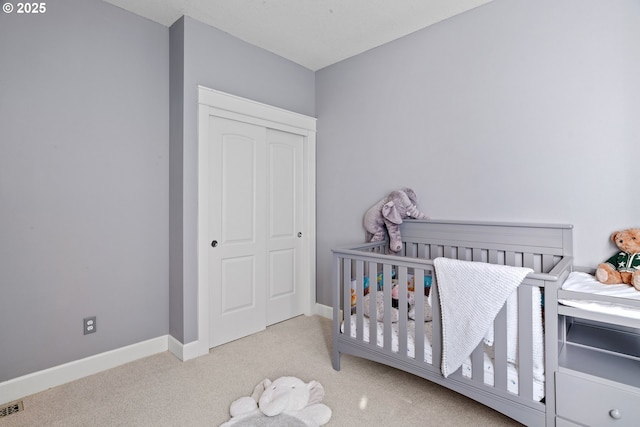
point(221, 104)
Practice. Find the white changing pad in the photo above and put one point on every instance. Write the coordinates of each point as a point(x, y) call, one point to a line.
point(587, 283)
point(512, 373)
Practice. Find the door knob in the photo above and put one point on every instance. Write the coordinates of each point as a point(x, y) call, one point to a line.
point(214, 243)
point(299, 234)
point(615, 414)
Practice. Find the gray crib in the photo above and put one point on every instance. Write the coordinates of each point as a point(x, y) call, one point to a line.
point(369, 268)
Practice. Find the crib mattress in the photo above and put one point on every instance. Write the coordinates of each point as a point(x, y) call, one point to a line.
point(512, 372)
point(587, 283)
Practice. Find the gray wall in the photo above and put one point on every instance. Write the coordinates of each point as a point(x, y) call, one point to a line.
point(515, 111)
point(212, 58)
point(84, 170)
point(89, 179)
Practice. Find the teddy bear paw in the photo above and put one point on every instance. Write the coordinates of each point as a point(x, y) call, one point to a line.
point(602, 275)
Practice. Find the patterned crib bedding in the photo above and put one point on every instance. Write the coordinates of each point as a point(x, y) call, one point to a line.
point(512, 372)
point(587, 284)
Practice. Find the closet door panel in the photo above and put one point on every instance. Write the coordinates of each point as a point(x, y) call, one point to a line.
point(284, 238)
point(237, 223)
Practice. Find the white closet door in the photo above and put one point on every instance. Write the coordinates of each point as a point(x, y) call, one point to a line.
point(238, 220)
point(255, 208)
point(256, 218)
point(284, 239)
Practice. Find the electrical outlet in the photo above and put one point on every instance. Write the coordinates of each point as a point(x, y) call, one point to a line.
point(90, 325)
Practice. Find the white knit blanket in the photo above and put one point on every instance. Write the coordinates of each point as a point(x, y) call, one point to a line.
point(471, 295)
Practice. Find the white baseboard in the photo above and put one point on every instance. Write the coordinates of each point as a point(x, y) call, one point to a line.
point(36, 382)
point(324, 311)
point(188, 351)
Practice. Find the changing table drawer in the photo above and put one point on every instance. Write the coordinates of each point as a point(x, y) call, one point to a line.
point(594, 403)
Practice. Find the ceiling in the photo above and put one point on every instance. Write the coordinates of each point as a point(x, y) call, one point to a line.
point(312, 33)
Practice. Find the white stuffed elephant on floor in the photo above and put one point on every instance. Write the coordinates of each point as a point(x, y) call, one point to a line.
point(387, 215)
point(287, 401)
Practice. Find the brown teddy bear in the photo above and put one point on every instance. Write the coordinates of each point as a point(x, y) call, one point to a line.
point(624, 267)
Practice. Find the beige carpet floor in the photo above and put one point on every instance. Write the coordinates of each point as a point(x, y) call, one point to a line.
point(163, 391)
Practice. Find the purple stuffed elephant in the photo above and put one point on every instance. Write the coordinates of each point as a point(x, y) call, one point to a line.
point(386, 216)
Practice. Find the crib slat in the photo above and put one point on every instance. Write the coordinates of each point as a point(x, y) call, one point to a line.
point(528, 260)
point(510, 258)
point(433, 251)
point(525, 342)
point(476, 254)
point(547, 263)
point(423, 251)
point(449, 252)
point(359, 299)
point(402, 310)
point(411, 250)
point(386, 291)
point(436, 338)
point(493, 256)
point(346, 296)
point(477, 363)
point(373, 303)
point(500, 349)
point(419, 297)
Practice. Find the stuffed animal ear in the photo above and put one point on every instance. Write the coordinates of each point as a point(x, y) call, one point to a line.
point(390, 212)
point(412, 195)
point(614, 236)
point(316, 392)
point(260, 388)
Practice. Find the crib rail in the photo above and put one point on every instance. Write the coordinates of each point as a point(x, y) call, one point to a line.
point(356, 269)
